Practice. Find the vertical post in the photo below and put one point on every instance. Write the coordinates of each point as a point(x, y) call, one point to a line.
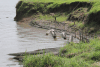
point(68, 29)
point(55, 18)
point(85, 35)
point(75, 29)
point(80, 34)
point(75, 33)
point(55, 23)
point(71, 38)
point(95, 35)
point(74, 23)
point(64, 26)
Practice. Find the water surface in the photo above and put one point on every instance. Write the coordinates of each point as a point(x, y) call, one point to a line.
point(16, 37)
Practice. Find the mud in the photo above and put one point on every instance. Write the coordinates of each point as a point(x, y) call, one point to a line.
point(20, 56)
point(79, 15)
point(94, 17)
point(63, 27)
point(27, 9)
point(70, 7)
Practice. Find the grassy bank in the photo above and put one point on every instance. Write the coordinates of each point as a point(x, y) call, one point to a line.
point(60, 1)
point(71, 55)
point(68, 11)
point(95, 3)
point(63, 10)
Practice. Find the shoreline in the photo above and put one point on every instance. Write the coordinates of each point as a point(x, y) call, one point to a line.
point(19, 56)
point(78, 19)
point(74, 23)
point(51, 24)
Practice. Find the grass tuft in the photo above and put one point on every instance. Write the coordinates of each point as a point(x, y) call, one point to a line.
point(82, 55)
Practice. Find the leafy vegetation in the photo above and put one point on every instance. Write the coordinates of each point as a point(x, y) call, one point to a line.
point(44, 6)
point(96, 7)
point(71, 55)
point(59, 1)
point(54, 61)
point(59, 18)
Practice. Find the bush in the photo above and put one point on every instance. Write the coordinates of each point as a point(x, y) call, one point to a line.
point(85, 55)
point(43, 61)
point(53, 61)
point(96, 56)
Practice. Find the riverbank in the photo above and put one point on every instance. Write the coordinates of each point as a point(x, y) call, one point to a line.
point(68, 16)
point(71, 55)
point(78, 15)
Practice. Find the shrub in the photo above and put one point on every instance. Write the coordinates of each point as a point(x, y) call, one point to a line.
point(43, 61)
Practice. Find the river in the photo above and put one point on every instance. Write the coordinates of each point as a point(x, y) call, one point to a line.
point(20, 37)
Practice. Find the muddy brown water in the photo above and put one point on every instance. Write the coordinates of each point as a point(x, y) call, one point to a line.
point(20, 37)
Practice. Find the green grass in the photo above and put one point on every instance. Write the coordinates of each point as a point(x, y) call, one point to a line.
point(92, 50)
point(71, 55)
point(43, 6)
point(79, 24)
point(43, 61)
point(50, 60)
point(59, 1)
point(45, 17)
point(60, 18)
point(95, 8)
point(86, 55)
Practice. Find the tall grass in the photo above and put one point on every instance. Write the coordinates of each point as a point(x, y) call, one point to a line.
point(43, 61)
point(54, 61)
point(56, 3)
point(49, 17)
point(86, 54)
point(71, 55)
point(95, 8)
point(92, 49)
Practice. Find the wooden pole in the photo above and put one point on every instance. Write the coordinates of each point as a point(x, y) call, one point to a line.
point(74, 23)
point(71, 38)
point(55, 18)
point(64, 27)
point(75, 33)
point(80, 34)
